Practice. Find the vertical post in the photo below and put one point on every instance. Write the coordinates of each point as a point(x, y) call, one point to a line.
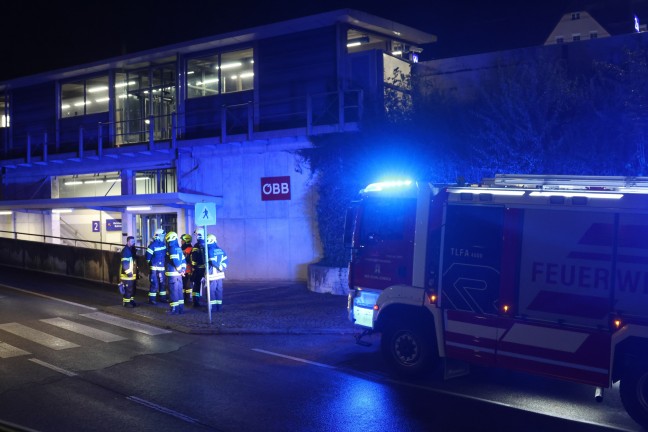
point(80, 142)
point(309, 114)
point(28, 158)
point(45, 147)
point(223, 123)
point(174, 126)
point(207, 275)
point(341, 108)
point(100, 141)
point(250, 124)
point(151, 132)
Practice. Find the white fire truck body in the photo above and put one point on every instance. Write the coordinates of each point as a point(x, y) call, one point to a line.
point(547, 275)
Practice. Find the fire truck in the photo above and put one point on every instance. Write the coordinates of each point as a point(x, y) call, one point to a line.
point(540, 274)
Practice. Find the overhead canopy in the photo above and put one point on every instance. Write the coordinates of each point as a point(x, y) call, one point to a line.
point(112, 203)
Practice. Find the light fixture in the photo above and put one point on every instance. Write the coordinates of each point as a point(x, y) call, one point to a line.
point(357, 41)
point(142, 178)
point(72, 183)
point(231, 65)
point(106, 99)
point(5, 212)
point(97, 89)
point(397, 53)
point(93, 181)
point(478, 191)
point(138, 208)
point(112, 180)
point(62, 210)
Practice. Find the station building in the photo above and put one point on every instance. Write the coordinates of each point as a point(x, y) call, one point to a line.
point(95, 152)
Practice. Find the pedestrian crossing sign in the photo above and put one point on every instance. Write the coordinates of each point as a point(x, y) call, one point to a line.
point(205, 213)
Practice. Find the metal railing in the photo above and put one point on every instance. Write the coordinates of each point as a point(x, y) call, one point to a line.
point(66, 241)
point(309, 114)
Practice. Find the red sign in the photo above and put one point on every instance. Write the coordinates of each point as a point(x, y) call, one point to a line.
point(275, 188)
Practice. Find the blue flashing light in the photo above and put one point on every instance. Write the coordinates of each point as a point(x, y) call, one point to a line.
point(377, 187)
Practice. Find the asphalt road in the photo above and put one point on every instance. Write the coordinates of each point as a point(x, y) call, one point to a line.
point(66, 366)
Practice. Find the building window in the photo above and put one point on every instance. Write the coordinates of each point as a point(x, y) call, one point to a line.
point(89, 185)
point(560, 40)
point(575, 16)
point(4, 111)
point(593, 35)
point(156, 181)
point(84, 97)
point(220, 73)
point(576, 37)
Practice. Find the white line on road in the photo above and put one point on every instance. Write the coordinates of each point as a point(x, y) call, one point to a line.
point(162, 409)
point(83, 330)
point(51, 366)
point(293, 358)
point(127, 324)
point(7, 351)
point(38, 336)
point(48, 297)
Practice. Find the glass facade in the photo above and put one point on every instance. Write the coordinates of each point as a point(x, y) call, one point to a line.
point(85, 97)
point(226, 72)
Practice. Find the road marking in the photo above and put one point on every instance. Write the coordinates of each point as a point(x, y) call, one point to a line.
point(37, 336)
point(162, 409)
point(7, 351)
point(83, 330)
point(48, 297)
point(293, 358)
point(127, 324)
point(51, 366)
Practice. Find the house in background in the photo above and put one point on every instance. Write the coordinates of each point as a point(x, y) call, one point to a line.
point(92, 153)
point(574, 27)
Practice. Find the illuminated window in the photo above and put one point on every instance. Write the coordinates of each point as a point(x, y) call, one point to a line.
point(220, 73)
point(84, 97)
point(4, 111)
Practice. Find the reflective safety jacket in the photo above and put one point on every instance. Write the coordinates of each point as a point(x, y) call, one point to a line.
point(155, 255)
point(186, 250)
point(128, 270)
point(174, 260)
point(217, 261)
point(198, 255)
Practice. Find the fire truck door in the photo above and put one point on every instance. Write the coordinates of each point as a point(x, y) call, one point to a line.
point(470, 281)
point(386, 238)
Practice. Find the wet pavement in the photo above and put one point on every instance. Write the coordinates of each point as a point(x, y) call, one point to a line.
point(252, 308)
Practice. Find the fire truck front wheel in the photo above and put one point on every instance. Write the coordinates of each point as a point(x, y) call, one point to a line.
point(407, 348)
point(633, 390)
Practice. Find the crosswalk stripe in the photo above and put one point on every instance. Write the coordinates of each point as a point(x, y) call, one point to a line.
point(7, 351)
point(83, 329)
point(127, 324)
point(37, 336)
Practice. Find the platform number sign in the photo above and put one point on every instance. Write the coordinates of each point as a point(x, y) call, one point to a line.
point(96, 226)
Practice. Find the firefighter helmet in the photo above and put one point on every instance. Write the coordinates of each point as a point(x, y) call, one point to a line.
point(171, 236)
point(159, 233)
point(211, 239)
point(200, 234)
point(186, 238)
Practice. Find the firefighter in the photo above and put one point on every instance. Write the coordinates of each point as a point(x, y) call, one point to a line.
point(175, 266)
point(217, 266)
point(186, 279)
point(197, 265)
point(128, 272)
point(155, 257)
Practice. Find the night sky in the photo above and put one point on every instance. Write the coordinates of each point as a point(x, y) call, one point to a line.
point(54, 35)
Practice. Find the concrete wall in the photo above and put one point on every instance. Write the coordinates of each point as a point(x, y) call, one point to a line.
point(101, 266)
point(263, 239)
